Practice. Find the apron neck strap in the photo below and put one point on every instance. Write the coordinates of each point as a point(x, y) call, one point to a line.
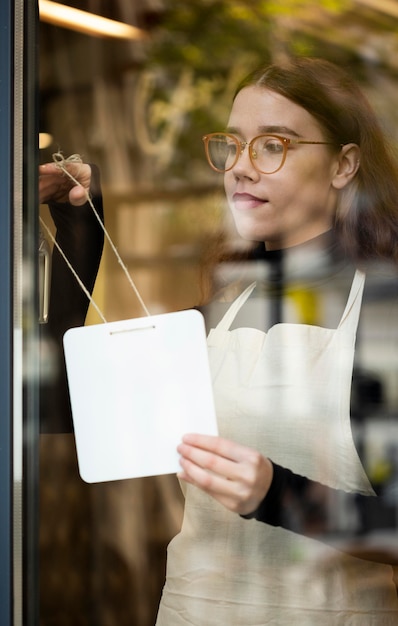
point(349, 319)
point(234, 309)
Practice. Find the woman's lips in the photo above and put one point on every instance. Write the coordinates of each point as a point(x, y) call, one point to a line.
point(247, 201)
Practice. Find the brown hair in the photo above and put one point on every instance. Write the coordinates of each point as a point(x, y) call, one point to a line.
point(367, 215)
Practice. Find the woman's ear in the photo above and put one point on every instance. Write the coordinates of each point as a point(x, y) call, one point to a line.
point(347, 165)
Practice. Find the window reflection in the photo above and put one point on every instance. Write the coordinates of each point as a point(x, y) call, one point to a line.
point(139, 115)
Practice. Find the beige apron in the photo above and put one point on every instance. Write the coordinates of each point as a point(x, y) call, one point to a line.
point(286, 393)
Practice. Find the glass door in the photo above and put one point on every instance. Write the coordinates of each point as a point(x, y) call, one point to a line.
point(136, 107)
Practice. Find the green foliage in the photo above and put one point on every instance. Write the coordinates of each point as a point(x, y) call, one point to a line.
point(217, 42)
point(208, 35)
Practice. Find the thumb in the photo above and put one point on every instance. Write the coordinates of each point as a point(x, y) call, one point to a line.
point(78, 195)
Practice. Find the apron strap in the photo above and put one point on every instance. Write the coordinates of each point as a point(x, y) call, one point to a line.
point(350, 317)
point(234, 309)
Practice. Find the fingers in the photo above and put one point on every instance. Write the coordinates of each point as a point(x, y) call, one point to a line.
point(48, 168)
point(235, 475)
point(53, 169)
point(219, 456)
point(49, 189)
point(206, 470)
point(217, 445)
point(56, 186)
point(215, 485)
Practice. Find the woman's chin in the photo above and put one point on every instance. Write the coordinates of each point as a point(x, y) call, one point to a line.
point(250, 234)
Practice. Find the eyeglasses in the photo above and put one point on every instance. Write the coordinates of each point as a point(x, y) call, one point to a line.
point(267, 152)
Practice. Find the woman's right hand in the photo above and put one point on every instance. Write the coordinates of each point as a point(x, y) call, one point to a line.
point(56, 186)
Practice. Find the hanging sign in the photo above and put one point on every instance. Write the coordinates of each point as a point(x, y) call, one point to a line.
point(136, 386)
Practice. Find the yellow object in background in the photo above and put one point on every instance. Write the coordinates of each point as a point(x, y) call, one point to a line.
point(307, 304)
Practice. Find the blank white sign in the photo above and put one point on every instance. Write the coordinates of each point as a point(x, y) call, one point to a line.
point(136, 386)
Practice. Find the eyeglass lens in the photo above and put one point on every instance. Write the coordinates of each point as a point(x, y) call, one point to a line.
point(266, 151)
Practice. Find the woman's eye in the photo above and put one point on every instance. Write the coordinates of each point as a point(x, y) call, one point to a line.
point(231, 148)
point(272, 146)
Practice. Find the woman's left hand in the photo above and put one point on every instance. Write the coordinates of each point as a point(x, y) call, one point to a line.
point(236, 476)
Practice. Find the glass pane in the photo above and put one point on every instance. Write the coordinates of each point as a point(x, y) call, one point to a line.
point(136, 109)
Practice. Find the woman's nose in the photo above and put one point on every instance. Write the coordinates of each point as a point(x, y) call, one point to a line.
point(244, 166)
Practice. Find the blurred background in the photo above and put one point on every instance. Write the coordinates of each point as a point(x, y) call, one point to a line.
point(137, 104)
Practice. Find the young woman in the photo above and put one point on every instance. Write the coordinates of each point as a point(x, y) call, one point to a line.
point(308, 172)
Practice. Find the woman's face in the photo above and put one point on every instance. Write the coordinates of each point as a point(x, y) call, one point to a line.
point(296, 203)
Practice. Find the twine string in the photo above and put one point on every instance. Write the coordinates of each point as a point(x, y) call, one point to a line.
point(61, 162)
point(81, 284)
